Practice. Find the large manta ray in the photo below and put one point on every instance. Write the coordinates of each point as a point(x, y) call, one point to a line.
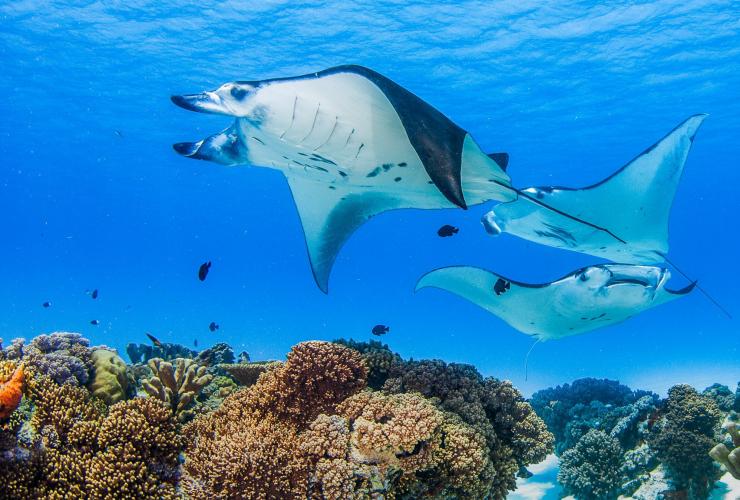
point(590, 298)
point(352, 144)
point(634, 204)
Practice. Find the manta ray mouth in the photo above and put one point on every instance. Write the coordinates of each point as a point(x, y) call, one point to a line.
point(627, 281)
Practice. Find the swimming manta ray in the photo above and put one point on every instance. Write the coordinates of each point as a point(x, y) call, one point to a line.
point(352, 144)
point(633, 204)
point(590, 298)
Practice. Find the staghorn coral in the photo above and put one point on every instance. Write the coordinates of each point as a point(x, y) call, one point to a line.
point(591, 469)
point(82, 450)
point(729, 456)
point(177, 385)
point(515, 435)
point(683, 438)
point(246, 374)
point(110, 381)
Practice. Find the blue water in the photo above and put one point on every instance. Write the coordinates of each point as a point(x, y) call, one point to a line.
point(93, 196)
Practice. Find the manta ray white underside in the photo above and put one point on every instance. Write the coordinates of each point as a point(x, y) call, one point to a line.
point(634, 204)
point(352, 144)
point(590, 298)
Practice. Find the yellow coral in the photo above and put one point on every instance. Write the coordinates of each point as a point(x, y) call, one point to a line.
point(110, 382)
point(176, 385)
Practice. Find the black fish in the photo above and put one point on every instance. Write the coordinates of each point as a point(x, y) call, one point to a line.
point(203, 270)
point(213, 326)
point(447, 230)
point(195, 343)
point(154, 340)
point(118, 133)
point(46, 304)
point(94, 294)
point(380, 330)
point(501, 286)
point(95, 322)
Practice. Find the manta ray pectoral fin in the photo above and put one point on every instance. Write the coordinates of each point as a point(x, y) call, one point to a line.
point(225, 148)
point(520, 305)
point(502, 159)
point(329, 215)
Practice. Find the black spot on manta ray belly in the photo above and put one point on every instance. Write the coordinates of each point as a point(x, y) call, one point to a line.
point(402, 164)
point(374, 172)
point(387, 166)
point(397, 179)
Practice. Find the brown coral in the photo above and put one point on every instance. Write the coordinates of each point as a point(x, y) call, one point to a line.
point(246, 374)
point(247, 448)
point(727, 457)
point(82, 452)
point(178, 385)
point(11, 392)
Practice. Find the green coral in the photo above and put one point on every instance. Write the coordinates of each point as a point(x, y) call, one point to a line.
point(591, 469)
point(683, 438)
point(110, 381)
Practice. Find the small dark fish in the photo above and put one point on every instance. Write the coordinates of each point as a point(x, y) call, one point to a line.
point(118, 133)
point(203, 270)
point(213, 326)
point(154, 340)
point(447, 230)
point(94, 294)
point(46, 304)
point(195, 343)
point(380, 330)
point(95, 322)
point(501, 286)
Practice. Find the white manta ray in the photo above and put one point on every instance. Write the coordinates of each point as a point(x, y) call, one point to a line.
point(590, 298)
point(352, 144)
point(633, 204)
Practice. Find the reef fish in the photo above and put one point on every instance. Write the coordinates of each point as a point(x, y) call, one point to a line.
point(11, 393)
point(352, 144)
point(447, 230)
point(589, 298)
point(633, 204)
point(213, 326)
point(46, 304)
point(94, 294)
point(154, 340)
point(380, 330)
point(95, 322)
point(203, 270)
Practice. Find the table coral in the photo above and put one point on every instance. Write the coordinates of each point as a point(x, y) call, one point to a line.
point(177, 385)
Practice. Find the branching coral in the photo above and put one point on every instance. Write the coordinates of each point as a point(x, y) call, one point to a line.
point(177, 385)
point(247, 448)
point(729, 456)
point(591, 469)
point(380, 360)
point(515, 435)
point(683, 439)
point(82, 452)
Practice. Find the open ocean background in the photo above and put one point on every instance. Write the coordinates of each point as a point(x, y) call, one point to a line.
point(93, 196)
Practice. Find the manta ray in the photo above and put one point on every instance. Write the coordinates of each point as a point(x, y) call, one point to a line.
point(589, 298)
point(633, 204)
point(352, 144)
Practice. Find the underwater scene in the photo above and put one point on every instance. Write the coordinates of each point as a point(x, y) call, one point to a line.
point(370, 250)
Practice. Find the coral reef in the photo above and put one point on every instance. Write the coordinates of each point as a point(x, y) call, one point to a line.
point(110, 381)
point(246, 374)
point(591, 469)
point(515, 435)
point(142, 353)
point(380, 360)
point(683, 438)
point(722, 395)
point(217, 355)
point(177, 385)
point(729, 456)
point(82, 449)
point(63, 356)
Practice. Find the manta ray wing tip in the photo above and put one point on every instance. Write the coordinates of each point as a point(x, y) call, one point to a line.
point(186, 148)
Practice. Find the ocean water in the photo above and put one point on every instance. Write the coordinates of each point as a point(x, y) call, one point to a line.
point(92, 196)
